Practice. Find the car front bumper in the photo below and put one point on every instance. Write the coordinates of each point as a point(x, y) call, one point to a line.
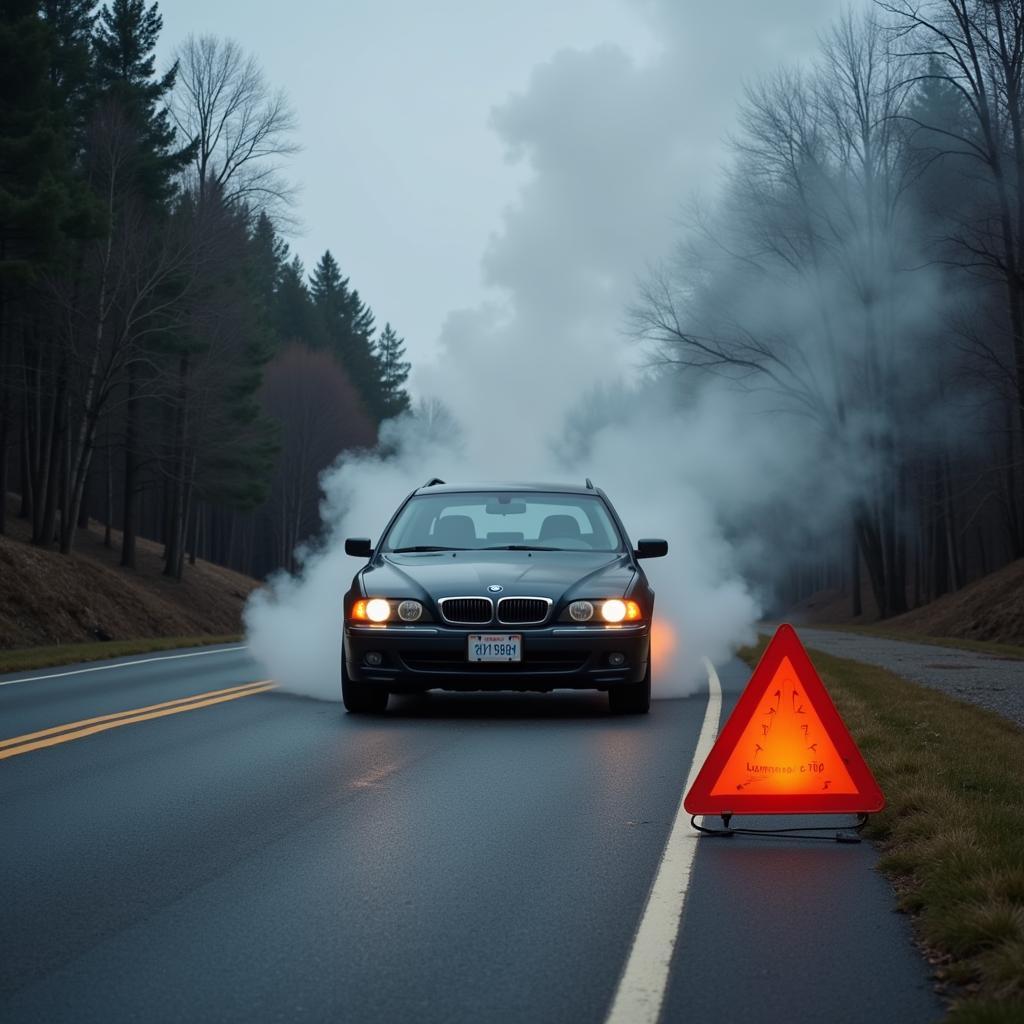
point(554, 657)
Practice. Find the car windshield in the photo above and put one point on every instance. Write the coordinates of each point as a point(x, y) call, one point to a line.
point(502, 521)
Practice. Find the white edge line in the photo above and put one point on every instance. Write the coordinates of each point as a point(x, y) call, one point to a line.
point(641, 991)
point(122, 664)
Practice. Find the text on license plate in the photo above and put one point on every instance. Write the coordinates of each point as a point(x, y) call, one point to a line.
point(495, 647)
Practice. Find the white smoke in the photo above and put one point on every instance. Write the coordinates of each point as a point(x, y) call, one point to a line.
point(542, 381)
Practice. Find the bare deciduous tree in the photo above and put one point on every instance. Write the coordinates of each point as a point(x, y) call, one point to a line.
point(975, 47)
point(796, 287)
point(242, 127)
point(321, 415)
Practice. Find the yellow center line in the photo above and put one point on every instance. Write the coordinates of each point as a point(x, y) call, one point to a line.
point(16, 740)
point(90, 726)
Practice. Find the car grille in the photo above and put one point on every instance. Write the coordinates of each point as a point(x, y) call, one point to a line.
point(467, 610)
point(522, 610)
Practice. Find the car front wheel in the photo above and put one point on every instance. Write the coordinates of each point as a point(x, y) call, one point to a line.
point(362, 698)
point(632, 698)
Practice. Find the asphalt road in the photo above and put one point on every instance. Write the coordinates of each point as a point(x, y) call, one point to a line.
point(464, 858)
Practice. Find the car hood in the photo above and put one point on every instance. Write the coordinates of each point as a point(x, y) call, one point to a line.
point(558, 575)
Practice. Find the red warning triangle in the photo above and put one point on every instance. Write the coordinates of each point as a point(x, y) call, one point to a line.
point(784, 749)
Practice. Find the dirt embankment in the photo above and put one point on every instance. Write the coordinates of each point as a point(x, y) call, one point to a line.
point(990, 609)
point(46, 598)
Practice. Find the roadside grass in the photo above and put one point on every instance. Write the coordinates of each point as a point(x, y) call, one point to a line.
point(952, 833)
point(1013, 651)
point(25, 659)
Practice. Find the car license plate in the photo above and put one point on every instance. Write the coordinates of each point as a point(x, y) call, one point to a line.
point(495, 647)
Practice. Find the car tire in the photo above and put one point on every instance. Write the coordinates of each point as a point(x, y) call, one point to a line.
point(633, 698)
point(362, 698)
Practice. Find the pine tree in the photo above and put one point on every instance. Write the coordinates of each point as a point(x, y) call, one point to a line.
point(35, 192)
point(220, 448)
point(240, 443)
point(348, 328)
point(329, 291)
point(132, 122)
point(268, 255)
point(32, 156)
point(394, 371)
point(124, 44)
point(358, 344)
point(71, 24)
point(295, 317)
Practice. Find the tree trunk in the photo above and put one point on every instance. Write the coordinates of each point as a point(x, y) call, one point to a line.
point(25, 511)
point(916, 599)
point(893, 549)
point(186, 514)
point(937, 534)
point(871, 549)
point(1016, 299)
point(77, 513)
point(955, 555)
point(131, 472)
point(78, 476)
point(108, 488)
point(175, 530)
point(82, 520)
point(5, 396)
point(108, 511)
point(196, 533)
point(5, 410)
point(178, 484)
point(1014, 519)
point(4, 436)
point(172, 525)
point(46, 449)
point(46, 510)
point(856, 605)
point(228, 550)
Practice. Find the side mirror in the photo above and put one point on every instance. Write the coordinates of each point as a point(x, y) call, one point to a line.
point(359, 547)
point(651, 548)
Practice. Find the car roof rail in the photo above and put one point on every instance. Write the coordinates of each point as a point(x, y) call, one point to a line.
point(433, 481)
point(590, 485)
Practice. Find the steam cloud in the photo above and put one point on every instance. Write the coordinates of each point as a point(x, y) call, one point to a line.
point(542, 383)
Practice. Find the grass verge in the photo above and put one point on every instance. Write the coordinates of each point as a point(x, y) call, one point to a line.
point(952, 835)
point(1012, 651)
point(25, 659)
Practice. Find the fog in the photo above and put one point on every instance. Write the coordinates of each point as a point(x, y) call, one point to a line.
point(543, 382)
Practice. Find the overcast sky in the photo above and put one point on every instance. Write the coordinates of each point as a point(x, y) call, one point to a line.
point(423, 123)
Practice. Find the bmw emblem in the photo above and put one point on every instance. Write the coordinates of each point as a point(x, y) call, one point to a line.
point(495, 588)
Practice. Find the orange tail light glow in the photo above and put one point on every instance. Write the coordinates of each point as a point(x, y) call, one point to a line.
point(663, 645)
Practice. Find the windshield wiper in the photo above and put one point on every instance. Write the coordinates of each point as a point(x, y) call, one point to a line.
point(425, 547)
point(520, 547)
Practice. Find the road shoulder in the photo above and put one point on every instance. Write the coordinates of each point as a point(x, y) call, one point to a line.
point(952, 834)
point(982, 679)
point(787, 929)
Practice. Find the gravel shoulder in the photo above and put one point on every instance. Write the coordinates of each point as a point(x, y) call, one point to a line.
point(982, 679)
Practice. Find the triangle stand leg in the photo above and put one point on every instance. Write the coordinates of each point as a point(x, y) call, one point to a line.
point(848, 835)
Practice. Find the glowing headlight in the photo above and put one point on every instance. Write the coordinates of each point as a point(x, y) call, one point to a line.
point(581, 611)
point(410, 611)
point(378, 610)
point(613, 611)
